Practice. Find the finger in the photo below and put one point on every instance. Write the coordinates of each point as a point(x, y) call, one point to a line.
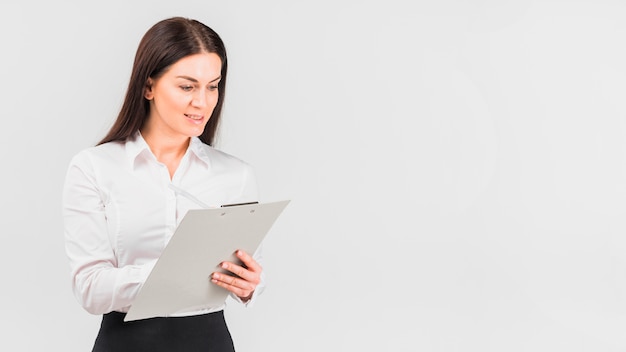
point(250, 263)
point(242, 272)
point(232, 282)
point(237, 286)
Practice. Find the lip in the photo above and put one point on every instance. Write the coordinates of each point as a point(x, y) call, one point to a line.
point(197, 119)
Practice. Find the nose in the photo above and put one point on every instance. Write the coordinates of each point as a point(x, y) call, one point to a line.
point(200, 99)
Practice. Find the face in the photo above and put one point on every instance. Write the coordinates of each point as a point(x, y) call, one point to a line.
point(183, 98)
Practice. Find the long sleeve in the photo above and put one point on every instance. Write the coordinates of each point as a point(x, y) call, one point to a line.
point(98, 284)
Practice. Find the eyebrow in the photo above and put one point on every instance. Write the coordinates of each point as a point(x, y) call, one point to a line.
point(195, 80)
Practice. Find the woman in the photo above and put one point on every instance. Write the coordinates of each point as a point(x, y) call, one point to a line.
point(124, 197)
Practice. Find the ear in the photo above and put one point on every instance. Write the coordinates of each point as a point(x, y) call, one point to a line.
point(147, 91)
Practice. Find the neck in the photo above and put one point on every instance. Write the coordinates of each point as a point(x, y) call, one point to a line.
point(168, 150)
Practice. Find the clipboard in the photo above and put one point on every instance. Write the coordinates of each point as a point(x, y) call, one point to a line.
point(181, 278)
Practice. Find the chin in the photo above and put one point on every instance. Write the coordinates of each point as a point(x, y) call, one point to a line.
point(196, 132)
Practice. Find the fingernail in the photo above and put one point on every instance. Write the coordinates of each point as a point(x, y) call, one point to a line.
point(224, 265)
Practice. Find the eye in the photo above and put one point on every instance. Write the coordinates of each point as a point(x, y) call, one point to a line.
point(186, 88)
point(215, 87)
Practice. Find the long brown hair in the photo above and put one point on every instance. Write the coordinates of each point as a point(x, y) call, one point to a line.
point(163, 45)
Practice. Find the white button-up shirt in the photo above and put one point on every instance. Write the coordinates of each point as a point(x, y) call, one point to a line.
point(120, 209)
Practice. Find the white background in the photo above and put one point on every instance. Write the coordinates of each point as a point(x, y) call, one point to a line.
point(456, 168)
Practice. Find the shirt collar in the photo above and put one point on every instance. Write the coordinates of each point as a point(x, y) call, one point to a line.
point(200, 150)
point(136, 146)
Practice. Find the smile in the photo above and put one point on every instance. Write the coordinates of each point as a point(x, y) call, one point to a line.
point(194, 117)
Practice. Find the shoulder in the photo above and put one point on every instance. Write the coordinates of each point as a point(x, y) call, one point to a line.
point(219, 159)
point(98, 154)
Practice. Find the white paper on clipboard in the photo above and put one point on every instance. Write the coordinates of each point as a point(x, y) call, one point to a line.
point(180, 280)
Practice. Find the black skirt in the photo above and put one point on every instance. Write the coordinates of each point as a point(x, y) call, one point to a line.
point(206, 332)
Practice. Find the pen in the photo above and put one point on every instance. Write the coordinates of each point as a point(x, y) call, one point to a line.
point(189, 196)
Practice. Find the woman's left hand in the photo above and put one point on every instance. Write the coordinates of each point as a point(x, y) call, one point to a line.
point(247, 276)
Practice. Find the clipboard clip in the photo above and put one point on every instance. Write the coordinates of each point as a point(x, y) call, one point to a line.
point(237, 204)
